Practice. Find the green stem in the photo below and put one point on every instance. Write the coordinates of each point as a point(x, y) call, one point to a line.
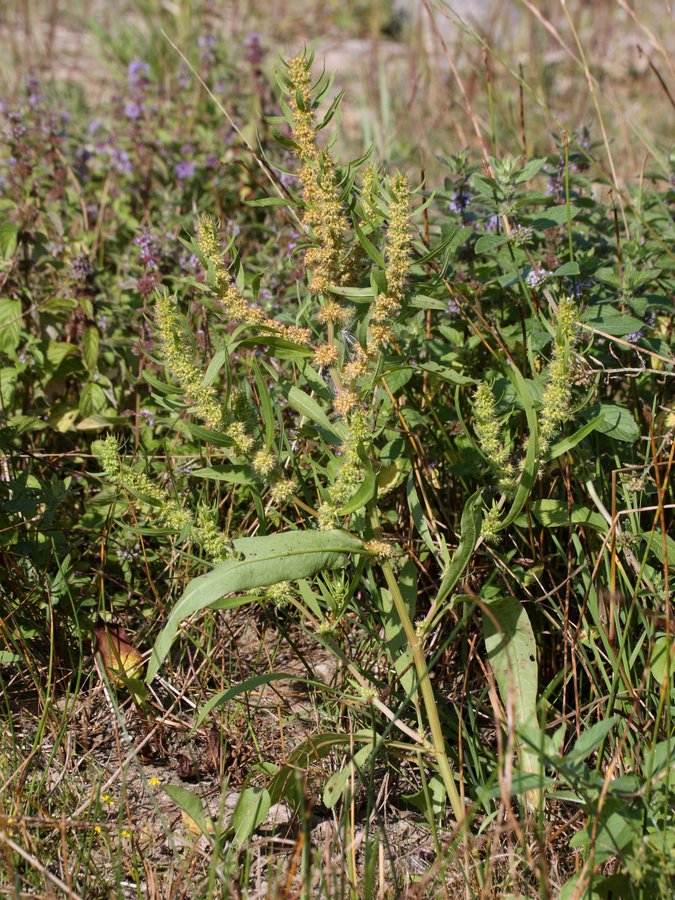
point(425, 686)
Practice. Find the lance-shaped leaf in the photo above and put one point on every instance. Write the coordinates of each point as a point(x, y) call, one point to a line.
point(512, 651)
point(262, 561)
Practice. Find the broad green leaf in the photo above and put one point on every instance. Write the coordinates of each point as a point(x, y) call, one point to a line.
point(339, 781)
point(618, 423)
point(611, 321)
point(556, 514)
point(512, 652)
point(8, 238)
point(270, 201)
point(252, 807)
point(590, 739)
point(662, 661)
point(445, 373)
point(214, 367)
point(656, 546)
point(421, 301)
point(10, 324)
point(568, 269)
point(189, 803)
point(568, 443)
point(227, 472)
point(554, 216)
point(265, 560)
point(616, 826)
point(437, 795)
point(370, 249)
point(333, 433)
point(90, 344)
point(488, 242)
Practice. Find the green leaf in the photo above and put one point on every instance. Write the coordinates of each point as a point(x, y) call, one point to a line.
point(472, 516)
point(421, 301)
point(555, 514)
point(512, 652)
point(266, 560)
point(8, 238)
point(569, 442)
point(214, 367)
point(10, 324)
point(251, 810)
point(662, 661)
point(530, 169)
point(312, 750)
point(90, 344)
point(229, 473)
point(488, 242)
point(363, 495)
point(445, 373)
point(270, 201)
point(331, 433)
point(190, 804)
point(616, 826)
point(611, 321)
point(370, 249)
point(618, 423)
point(567, 270)
point(339, 781)
point(554, 216)
point(590, 739)
point(398, 649)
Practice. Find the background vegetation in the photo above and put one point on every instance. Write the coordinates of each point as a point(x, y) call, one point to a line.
point(335, 490)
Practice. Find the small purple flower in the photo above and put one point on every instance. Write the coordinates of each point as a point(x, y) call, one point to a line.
point(207, 47)
point(211, 161)
point(133, 110)
point(185, 169)
point(634, 337)
point(492, 223)
point(146, 244)
point(121, 162)
point(137, 74)
point(460, 201)
point(94, 126)
point(536, 277)
point(453, 307)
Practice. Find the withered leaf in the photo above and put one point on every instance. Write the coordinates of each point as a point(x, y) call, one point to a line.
point(120, 658)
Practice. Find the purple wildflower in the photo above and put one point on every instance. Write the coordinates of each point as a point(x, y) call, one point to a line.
point(634, 337)
point(133, 109)
point(536, 277)
point(120, 161)
point(137, 74)
point(460, 201)
point(184, 169)
point(145, 242)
